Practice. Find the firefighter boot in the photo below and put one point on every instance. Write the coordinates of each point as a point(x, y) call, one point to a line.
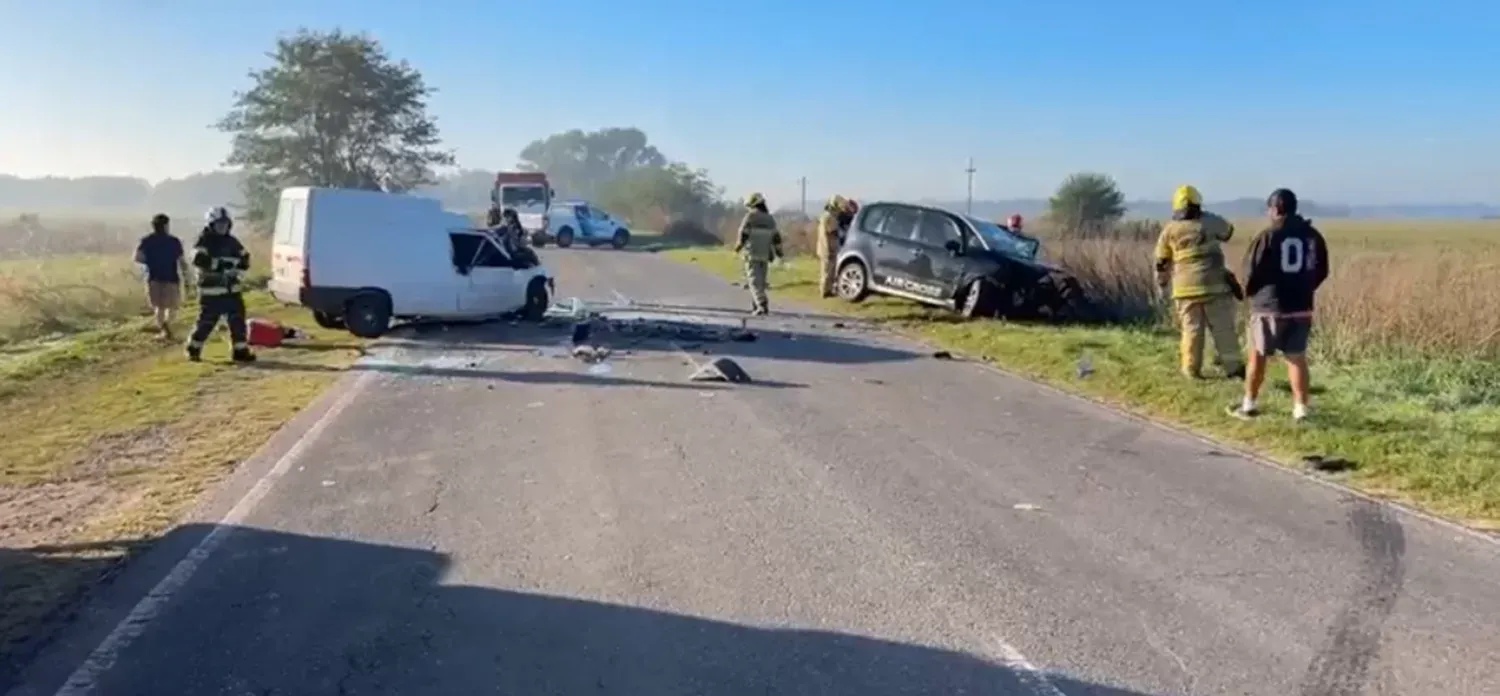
point(194, 354)
point(242, 355)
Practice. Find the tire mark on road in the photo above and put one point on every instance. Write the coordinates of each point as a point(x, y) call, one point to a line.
point(1342, 666)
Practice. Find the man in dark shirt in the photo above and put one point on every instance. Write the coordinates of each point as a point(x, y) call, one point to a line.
point(164, 265)
point(1284, 267)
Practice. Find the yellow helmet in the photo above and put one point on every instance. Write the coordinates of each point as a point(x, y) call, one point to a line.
point(1185, 196)
point(754, 199)
point(836, 202)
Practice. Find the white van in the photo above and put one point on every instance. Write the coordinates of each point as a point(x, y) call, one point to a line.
point(359, 259)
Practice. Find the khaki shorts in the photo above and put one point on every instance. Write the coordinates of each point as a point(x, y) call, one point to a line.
point(163, 295)
point(1285, 335)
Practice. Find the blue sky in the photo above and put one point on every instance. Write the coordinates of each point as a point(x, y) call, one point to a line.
point(1368, 102)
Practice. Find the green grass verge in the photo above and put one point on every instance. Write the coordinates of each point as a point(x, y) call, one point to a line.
point(1423, 432)
point(110, 435)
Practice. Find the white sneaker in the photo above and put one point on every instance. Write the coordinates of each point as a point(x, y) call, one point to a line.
point(1239, 411)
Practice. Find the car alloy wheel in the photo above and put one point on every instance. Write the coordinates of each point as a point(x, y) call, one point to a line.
point(851, 281)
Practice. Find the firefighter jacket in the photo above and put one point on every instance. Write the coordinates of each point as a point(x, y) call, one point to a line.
point(1191, 251)
point(759, 239)
point(221, 262)
point(829, 234)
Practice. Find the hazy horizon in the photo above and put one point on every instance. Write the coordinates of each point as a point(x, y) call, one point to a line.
point(1365, 104)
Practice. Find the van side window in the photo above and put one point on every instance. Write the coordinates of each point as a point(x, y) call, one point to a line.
point(465, 248)
point(286, 213)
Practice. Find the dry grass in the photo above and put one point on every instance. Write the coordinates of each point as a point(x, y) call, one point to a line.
point(1398, 289)
point(64, 275)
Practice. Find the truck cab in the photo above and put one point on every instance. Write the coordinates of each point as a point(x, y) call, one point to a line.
point(529, 194)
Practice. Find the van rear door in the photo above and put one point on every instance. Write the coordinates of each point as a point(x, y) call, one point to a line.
point(289, 263)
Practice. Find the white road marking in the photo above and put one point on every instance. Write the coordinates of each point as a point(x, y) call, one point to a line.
point(86, 677)
point(1035, 680)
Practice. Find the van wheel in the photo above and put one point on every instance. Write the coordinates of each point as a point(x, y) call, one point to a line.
point(565, 237)
point(328, 321)
point(537, 300)
point(621, 239)
point(368, 315)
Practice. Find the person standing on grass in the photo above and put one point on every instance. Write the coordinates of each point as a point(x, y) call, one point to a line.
point(1190, 257)
point(830, 235)
point(222, 262)
point(1284, 267)
point(161, 257)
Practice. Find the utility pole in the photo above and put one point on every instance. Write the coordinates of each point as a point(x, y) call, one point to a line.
point(803, 182)
point(969, 204)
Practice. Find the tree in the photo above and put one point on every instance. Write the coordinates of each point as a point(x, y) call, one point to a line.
point(332, 110)
point(580, 164)
point(1086, 199)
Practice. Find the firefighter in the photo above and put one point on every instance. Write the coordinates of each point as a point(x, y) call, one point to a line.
point(513, 236)
point(1015, 222)
point(846, 218)
point(1190, 258)
point(221, 262)
point(831, 225)
point(760, 243)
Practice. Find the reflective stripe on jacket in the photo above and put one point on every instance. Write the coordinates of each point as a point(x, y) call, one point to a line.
point(221, 262)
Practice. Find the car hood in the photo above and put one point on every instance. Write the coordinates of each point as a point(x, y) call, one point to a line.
point(1033, 263)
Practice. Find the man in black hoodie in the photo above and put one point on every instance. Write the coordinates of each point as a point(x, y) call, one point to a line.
point(1284, 267)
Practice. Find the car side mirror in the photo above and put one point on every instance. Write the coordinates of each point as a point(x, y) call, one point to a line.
point(954, 247)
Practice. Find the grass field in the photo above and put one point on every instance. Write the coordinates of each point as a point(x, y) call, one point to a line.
point(1406, 375)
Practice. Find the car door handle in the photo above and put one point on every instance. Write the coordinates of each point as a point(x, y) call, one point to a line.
point(916, 252)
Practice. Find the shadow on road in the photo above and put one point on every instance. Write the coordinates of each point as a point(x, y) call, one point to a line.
point(274, 612)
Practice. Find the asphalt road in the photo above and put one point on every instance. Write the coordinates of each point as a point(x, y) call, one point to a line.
point(479, 515)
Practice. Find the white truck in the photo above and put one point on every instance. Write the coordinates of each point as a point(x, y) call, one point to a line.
point(530, 195)
point(578, 221)
point(361, 259)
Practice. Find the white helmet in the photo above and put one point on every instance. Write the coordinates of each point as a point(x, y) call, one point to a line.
point(216, 214)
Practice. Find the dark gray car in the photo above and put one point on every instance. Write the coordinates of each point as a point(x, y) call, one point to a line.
point(963, 263)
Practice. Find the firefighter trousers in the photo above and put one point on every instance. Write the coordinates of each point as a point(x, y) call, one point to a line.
point(231, 308)
point(756, 280)
point(1214, 315)
point(825, 274)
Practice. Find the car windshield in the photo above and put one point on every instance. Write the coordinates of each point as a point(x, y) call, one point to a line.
point(1005, 241)
point(522, 196)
